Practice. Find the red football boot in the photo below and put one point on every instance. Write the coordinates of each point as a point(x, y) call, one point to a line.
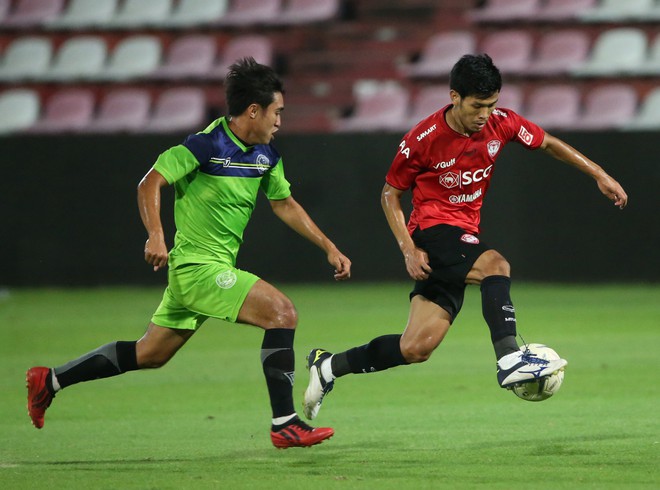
point(39, 397)
point(299, 434)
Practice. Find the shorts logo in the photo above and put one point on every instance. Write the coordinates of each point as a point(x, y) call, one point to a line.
point(226, 279)
point(493, 147)
point(467, 238)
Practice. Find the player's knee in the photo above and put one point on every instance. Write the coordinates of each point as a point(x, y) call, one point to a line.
point(153, 360)
point(284, 315)
point(496, 265)
point(415, 353)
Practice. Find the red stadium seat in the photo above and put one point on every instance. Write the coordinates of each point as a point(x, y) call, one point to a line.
point(558, 52)
point(440, 53)
point(608, 107)
point(505, 11)
point(66, 110)
point(122, 109)
point(553, 106)
point(511, 50)
point(178, 110)
point(190, 56)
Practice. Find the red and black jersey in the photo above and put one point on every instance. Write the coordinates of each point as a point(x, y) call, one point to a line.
point(449, 173)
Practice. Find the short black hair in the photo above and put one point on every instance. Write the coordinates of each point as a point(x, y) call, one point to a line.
point(249, 82)
point(475, 75)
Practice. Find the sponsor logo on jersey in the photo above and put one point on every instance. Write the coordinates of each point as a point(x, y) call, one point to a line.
point(467, 238)
point(461, 198)
point(444, 164)
point(525, 136)
point(499, 112)
point(426, 132)
point(454, 179)
point(493, 147)
point(226, 279)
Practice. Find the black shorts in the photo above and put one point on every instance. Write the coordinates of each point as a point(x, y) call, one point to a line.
point(452, 252)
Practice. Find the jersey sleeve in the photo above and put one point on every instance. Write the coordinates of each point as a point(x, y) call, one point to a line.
point(274, 184)
point(175, 163)
point(405, 166)
point(525, 132)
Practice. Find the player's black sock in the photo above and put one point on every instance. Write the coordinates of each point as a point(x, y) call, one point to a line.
point(379, 354)
point(108, 360)
point(499, 314)
point(278, 364)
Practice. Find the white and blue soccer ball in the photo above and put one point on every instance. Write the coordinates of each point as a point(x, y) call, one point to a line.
point(542, 388)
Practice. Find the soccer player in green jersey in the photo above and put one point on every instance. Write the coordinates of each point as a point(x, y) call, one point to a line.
point(217, 175)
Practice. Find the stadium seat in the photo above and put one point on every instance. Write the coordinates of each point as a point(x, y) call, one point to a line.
point(19, 109)
point(651, 64)
point(553, 106)
point(189, 56)
point(133, 57)
point(647, 117)
point(617, 11)
point(133, 14)
point(65, 111)
point(618, 51)
point(251, 12)
point(5, 6)
point(558, 52)
point(27, 57)
point(511, 50)
point(297, 12)
point(511, 97)
point(32, 13)
point(79, 58)
point(178, 109)
point(122, 109)
point(257, 46)
point(505, 11)
point(427, 101)
point(83, 14)
point(379, 106)
point(608, 107)
point(563, 10)
point(440, 53)
point(191, 13)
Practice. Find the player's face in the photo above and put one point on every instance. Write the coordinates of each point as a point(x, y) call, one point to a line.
point(268, 120)
point(473, 113)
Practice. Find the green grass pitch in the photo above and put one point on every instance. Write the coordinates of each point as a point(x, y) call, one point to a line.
point(202, 421)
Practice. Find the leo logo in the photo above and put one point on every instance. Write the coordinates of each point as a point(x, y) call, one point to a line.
point(449, 179)
point(226, 279)
point(493, 147)
point(525, 136)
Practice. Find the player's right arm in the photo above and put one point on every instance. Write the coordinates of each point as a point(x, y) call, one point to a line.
point(149, 197)
point(417, 261)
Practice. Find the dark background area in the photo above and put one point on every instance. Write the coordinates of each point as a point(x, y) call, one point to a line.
point(69, 215)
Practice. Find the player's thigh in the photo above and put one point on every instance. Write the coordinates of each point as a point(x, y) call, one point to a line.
point(427, 326)
point(267, 307)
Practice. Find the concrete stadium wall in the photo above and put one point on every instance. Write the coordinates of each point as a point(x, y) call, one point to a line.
point(69, 216)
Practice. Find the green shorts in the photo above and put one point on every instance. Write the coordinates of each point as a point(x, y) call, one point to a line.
point(196, 292)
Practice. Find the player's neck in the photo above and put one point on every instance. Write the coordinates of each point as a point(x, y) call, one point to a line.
point(453, 123)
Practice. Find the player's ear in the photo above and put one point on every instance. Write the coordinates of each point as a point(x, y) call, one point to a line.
point(253, 110)
point(455, 97)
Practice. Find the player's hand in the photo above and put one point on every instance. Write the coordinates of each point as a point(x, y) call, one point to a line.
point(613, 191)
point(342, 265)
point(417, 264)
point(155, 253)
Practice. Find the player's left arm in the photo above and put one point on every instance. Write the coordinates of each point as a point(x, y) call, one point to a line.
point(293, 214)
point(566, 153)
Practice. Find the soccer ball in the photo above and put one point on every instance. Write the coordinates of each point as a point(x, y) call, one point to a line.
point(542, 388)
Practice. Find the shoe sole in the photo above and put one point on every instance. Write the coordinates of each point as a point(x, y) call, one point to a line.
point(311, 408)
point(554, 370)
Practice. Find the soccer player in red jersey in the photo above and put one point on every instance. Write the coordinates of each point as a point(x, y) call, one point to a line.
point(447, 161)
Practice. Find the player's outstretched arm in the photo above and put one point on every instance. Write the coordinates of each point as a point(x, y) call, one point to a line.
point(148, 196)
point(293, 214)
point(566, 153)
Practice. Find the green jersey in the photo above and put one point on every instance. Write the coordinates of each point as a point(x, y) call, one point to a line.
point(217, 179)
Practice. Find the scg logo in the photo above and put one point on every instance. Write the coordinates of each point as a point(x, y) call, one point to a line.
point(452, 179)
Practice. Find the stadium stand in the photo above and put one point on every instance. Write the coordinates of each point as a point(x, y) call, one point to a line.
point(511, 50)
point(189, 56)
point(380, 105)
point(27, 57)
point(83, 14)
point(251, 12)
point(258, 46)
point(191, 14)
point(648, 116)
point(122, 110)
point(505, 11)
point(133, 14)
point(609, 106)
point(616, 51)
point(19, 108)
point(134, 56)
point(563, 10)
point(618, 11)
point(178, 109)
point(439, 54)
point(67, 110)
point(31, 13)
point(554, 106)
point(511, 97)
point(558, 52)
point(79, 58)
point(297, 12)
